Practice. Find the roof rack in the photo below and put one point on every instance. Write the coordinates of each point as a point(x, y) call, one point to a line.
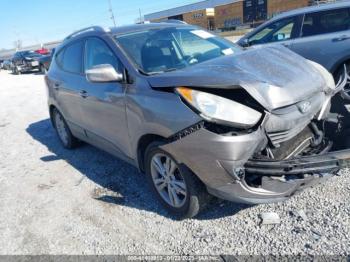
point(84, 30)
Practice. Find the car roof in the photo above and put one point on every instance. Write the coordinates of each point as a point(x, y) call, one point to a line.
point(141, 27)
point(97, 31)
point(310, 9)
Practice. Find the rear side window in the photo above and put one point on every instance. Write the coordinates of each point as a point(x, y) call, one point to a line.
point(97, 53)
point(70, 58)
point(325, 22)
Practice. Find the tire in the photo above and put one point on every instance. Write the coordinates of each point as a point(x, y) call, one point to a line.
point(42, 69)
point(17, 72)
point(195, 198)
point(63, 132)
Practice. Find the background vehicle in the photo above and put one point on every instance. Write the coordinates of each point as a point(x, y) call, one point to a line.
point(196, 113)
point(45, 61)
point(42, 51)
point(25, 61)
point(319, 33)
point(7, 65)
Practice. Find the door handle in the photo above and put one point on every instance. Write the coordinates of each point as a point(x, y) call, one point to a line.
point(83, 94)
point(341, 38)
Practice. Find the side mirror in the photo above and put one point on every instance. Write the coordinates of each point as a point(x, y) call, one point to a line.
point(103, 73)
point(281, 36)
point(245, 42)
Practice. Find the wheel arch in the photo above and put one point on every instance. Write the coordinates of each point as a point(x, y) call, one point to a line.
point(142, 145)
point(336, 67)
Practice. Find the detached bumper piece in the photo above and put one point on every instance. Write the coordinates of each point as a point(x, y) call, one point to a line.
point(325, 163)
point(267, 181)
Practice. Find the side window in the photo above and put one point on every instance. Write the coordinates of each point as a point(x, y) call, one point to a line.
point(280, 30)
point(97, 53)
point(329, 21)
point(70, 58)
point(59, 58)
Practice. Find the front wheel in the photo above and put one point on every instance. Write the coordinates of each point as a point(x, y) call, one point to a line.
point(16, 71)
point(175, 186)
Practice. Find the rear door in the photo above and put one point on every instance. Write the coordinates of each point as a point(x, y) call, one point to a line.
point(282, 31)
point(67, 82)
point(103, 104)
point(325, 37)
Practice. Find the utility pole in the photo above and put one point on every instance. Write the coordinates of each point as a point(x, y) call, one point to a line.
point(111, 11)
point(140, 16)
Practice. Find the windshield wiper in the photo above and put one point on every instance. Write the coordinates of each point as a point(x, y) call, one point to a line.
point(160, 72)
point(157, 72)
point(171, 69)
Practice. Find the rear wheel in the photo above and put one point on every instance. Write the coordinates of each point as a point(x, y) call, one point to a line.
point(42, 69)
point(65, 135)
point(175, 186)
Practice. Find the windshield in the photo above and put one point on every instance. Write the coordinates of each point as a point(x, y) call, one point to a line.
point(162, 50)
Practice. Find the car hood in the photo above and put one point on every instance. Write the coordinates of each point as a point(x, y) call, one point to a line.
point(274, 76)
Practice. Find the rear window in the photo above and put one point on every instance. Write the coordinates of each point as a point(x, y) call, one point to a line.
point(329, 21)
point(70, 58)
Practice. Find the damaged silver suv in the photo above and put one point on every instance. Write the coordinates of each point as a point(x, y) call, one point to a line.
point(197, 113)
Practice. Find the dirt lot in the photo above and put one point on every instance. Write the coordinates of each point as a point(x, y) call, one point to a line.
point(84, 201)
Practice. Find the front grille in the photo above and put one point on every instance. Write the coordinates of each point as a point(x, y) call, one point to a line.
point(279, 137)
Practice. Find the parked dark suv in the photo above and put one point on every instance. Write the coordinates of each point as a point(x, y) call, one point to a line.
point(196, 113)
point(25, 61)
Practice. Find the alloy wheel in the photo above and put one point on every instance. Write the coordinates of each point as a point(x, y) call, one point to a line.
point(168, 181)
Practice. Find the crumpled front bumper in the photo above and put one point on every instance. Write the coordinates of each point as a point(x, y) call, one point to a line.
point(225, 166)
point(27, 67)
point(282, 179)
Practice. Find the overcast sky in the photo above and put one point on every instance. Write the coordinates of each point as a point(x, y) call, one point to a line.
point(38, 21)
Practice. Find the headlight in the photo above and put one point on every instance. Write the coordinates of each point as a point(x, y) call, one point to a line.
point(216, 108)
point(326, 75)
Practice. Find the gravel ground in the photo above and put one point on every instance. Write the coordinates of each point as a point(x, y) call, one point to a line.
point(55, 201)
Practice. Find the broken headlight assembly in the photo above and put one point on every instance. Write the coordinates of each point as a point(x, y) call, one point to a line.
point(219, 109)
